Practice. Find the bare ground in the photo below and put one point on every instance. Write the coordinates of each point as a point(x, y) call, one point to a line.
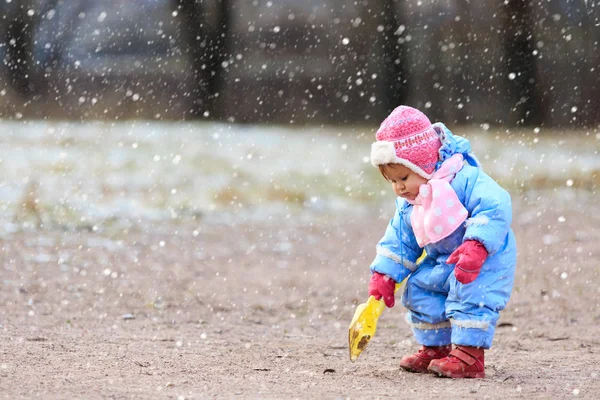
point(261, 310)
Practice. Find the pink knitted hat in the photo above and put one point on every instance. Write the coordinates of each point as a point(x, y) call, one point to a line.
point(407, 137)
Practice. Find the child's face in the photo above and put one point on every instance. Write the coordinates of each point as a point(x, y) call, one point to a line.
point(405, 182)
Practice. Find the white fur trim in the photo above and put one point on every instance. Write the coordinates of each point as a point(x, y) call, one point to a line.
point(479, 220)
point(383, 152)
point(424, 326)
point(484, 325)
point(382, 251)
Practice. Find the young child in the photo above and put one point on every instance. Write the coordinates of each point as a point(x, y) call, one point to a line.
point(461, 217)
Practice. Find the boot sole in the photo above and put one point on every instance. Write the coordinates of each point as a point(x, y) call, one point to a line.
point(414, 370)
point(439, 372)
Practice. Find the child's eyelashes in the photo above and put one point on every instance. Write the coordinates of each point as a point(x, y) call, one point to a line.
point(402, 179)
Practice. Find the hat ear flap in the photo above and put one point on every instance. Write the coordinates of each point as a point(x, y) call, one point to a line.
point(382, 153)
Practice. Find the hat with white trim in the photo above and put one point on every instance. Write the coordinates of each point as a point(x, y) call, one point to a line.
point(407, 137)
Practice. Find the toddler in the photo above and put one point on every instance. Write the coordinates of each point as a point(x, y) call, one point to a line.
point(461, 217)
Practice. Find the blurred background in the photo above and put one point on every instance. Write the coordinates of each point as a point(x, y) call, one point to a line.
point(161, 109)
point(506, 63)
point(186, 188)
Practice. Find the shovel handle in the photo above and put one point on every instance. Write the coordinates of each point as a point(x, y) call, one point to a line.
point(398, 286)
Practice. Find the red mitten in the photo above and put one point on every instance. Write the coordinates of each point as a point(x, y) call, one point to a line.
point(469, 258)
point(382, 286)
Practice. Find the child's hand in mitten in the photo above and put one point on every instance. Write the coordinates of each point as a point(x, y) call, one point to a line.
point(382, 286)
point(469, 258)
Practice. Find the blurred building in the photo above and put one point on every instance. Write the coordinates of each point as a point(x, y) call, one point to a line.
point(309, 61)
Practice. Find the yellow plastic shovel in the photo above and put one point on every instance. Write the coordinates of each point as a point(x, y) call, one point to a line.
point(364, 324)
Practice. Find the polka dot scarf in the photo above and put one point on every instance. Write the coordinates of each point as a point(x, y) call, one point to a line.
point(437, 210)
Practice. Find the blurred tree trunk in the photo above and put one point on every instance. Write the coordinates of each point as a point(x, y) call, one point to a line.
point(195, 32)
point(15, 68)
point(464, 74)
point(591, 91)
point(520, 62)
point(220, 54)
point(208, 46)
point(566, 38)
point(394, 57)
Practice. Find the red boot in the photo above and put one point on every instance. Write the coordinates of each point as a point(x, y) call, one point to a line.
point(462, 362)
point(419, 361)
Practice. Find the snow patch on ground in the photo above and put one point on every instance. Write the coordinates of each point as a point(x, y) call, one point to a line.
point(69, 173)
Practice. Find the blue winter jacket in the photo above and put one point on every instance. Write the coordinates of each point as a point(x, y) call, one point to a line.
point(489, 219)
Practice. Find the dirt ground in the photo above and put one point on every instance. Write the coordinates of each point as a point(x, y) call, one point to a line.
point(235, 309)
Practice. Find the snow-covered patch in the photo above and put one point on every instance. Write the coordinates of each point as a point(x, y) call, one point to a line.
point(96, 174)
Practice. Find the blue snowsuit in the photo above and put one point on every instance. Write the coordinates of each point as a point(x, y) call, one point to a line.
point(442, 310)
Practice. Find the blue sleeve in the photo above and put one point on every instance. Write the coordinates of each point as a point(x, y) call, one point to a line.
point(397, 251)
point(490, 210)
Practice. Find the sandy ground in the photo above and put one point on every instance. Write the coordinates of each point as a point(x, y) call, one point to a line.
point(212, 261)
point(230, 309)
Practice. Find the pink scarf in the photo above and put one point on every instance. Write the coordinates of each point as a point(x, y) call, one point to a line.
point(437, 211)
